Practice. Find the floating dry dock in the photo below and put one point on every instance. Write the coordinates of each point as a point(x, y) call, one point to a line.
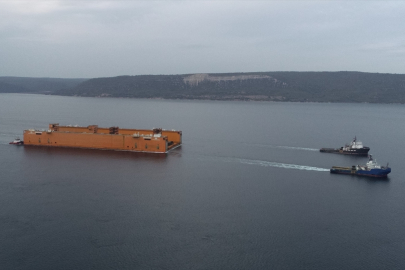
point(137, 140)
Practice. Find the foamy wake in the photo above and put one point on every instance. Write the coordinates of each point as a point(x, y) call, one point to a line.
point(275, 164)
point(287, 147)
point(298, 148)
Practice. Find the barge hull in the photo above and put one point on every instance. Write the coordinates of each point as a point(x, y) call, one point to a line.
point(93, 137)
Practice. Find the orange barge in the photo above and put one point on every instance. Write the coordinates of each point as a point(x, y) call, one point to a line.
point(155, 140)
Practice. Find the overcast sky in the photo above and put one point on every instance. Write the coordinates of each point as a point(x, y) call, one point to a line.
point(85, 39)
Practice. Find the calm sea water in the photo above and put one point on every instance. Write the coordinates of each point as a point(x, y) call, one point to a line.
point(247, 190)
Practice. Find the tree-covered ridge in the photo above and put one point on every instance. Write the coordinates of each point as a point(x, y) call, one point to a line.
point(36, 85)
point(266, 86)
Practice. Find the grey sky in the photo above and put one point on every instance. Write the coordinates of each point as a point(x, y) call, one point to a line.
point(72, 39)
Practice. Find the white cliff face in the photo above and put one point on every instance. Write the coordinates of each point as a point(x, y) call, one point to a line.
point(195, 79)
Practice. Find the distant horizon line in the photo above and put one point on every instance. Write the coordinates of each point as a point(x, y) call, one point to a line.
point(244, 72)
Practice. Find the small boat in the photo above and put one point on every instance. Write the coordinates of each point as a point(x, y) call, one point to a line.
point(17, 141)
point(354, 148)
point(372, 168)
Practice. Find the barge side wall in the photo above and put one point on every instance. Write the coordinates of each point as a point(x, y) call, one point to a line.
point(172, 135)
point(96, 141)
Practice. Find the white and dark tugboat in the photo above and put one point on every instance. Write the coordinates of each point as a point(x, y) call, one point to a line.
point(17, 141)
point(354, 148)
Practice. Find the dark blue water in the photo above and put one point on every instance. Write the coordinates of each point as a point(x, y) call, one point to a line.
point(247, 190)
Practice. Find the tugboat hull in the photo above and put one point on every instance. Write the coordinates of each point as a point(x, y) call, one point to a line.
point(20, 143)
point(359, 152)
point(380, 173)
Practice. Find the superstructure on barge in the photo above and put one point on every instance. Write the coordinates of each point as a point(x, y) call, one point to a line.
point(137, 140)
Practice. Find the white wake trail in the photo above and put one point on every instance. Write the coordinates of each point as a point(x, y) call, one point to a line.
point(275, 164)
point(298, 148)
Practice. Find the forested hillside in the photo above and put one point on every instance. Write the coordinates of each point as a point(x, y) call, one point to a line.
point(36, 85)
point(266, 86)
point(263, 86)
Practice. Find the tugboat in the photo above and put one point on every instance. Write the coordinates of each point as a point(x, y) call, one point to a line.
point(372, 168)
point(354, 148)
point(17, 141)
